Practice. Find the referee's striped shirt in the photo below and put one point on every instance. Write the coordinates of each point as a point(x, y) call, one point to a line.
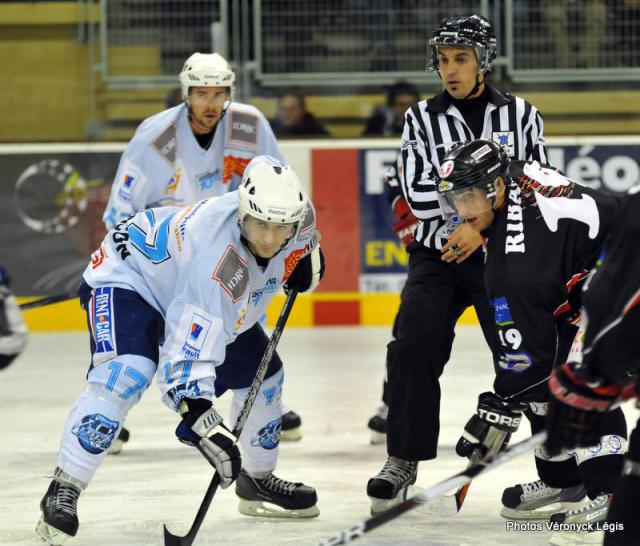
point(433, 125)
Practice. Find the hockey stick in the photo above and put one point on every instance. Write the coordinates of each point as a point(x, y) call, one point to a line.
point(186, 540)
point(369, 524)
point(48, 300)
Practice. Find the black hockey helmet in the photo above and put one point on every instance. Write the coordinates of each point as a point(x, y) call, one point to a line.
point(474, 32)
point(476, 163)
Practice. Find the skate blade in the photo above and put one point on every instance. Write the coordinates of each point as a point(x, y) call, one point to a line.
point(377, 438)
point(291, 435)
point(444, 505)
point(269, 510)
point(573, 538)
point(543, 513)
point(49, 534)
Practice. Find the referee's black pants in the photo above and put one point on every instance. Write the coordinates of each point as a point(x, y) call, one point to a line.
point(435, 295)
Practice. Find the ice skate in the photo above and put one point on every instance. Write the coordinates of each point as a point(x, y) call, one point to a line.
point(536, 500)
point(123, 438)
point(59, 519)
point(378, 426)
point(591, 514)
point(291, 427)
point(273, 497)
point(391, 485)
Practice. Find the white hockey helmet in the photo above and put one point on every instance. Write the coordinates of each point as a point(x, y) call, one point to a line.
point(270, 191)
point(206, 70)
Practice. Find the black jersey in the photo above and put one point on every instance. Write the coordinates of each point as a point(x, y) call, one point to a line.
point(433, 125)
point(612, 299)
point(540, 246)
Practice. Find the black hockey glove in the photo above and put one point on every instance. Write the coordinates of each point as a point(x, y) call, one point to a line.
point(491, 427)
point(577, 408)
point(202, 427)
point(308, 272)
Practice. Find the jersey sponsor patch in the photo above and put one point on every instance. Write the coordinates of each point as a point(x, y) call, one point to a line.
point(198, 332)
point(173, 183)
point(205, 181)
point(506, 139)
point(232, 273)
point(502, 311)
point(102, 320)
point(124, 192)
point(243, 130)
point(271, 287)
point(165, 144)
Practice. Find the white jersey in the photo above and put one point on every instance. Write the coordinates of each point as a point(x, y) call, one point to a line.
point(165, 165)
point(191, 265)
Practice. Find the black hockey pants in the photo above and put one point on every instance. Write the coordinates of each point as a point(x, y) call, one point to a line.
point(434, 297)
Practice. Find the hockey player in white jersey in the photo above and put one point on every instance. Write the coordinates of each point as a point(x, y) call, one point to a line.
point(200, 277)
point(195, 150)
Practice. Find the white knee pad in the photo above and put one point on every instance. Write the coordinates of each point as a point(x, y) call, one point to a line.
point(96, 418)
point(260, 437)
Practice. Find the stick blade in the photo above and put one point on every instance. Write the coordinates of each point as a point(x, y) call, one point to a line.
point(175, 540)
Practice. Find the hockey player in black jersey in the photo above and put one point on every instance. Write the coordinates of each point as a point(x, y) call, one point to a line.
point(542, 235)
point(584, 390)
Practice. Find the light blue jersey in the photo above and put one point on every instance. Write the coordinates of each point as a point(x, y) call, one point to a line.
point(191, 265)
point(164, 164)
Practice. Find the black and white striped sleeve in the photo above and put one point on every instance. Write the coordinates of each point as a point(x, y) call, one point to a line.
point(418, 185)
point(533, 136)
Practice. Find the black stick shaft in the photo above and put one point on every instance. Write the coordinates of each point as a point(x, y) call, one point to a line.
point(175, 540)
point(48, 300)
point(357, 531)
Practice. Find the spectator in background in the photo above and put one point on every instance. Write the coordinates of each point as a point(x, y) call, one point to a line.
point(389, 120)
point(293, 119)
point(578, 32)
point(174, 97)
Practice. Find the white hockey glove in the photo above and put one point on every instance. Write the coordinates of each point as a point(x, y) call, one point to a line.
point(490, 429)
point(202, 427)
point(308, 272)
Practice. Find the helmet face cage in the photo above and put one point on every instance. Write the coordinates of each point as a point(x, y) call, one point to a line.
point(473, 32)
point(206, 70)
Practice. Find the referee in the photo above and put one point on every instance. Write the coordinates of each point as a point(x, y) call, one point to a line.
point(445, 263)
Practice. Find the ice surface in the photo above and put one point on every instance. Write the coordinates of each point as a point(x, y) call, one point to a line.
point(333, 380)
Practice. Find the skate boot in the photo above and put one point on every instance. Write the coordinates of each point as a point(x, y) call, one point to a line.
point(391, 484)
point(378, 426)
point(536, 500)
point(273, 497)
point(291, 427)
point(586, 520)
point(123, 438)
point(59, 506)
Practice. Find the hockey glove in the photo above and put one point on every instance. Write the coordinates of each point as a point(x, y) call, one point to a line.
point(308, 272)
point(577, 408)
point(202, 427)
point(491, 427)
point(406, 224)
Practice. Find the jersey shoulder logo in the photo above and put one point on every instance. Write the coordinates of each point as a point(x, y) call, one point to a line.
point(243, 130)
point(166, 144)
point(506, 139)
point(232, 273)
